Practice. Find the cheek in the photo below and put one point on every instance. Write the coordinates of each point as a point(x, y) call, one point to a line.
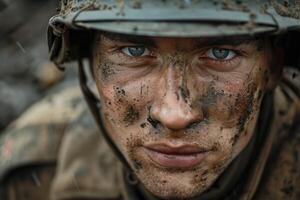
point(232, 101)
point(105, 71)
point(231, 110)
point(222, 102)
point(126, 102)
point(241, 140)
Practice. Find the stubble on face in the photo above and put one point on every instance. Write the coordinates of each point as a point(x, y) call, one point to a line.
point(224, 128)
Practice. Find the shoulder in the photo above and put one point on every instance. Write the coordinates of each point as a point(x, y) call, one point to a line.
point(33, 140)
point(86, 168)
point(281, 178)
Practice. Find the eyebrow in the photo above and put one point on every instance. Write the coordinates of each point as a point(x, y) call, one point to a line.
point(202, 42)
point(199, 43)
point(143, 40)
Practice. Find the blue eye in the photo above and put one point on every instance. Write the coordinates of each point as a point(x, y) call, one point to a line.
point(220, 54)
point(137, 51)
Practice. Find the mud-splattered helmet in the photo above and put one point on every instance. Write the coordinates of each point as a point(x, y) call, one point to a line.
point(71, 31)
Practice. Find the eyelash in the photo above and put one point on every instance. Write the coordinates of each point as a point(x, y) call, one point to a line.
point(209, 62)
point(229, 62)
point(120, 58)
point(222, 63)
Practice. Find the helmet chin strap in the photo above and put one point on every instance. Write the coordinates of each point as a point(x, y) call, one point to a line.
point(94, 105)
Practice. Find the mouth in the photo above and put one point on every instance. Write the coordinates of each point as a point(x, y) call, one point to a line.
point(181, 157)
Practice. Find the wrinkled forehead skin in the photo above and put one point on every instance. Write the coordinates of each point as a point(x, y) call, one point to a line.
point(162, 17)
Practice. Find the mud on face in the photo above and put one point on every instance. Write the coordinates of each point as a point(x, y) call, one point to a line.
point(225, 103)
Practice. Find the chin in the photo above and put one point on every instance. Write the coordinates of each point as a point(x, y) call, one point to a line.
point(176, 184)
point(174, 190)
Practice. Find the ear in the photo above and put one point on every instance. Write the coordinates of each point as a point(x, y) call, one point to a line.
point(276, 66)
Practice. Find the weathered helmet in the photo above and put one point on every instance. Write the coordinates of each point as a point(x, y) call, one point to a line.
point(70, 33)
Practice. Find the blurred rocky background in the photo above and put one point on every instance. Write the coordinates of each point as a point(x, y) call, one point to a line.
point(26, 74)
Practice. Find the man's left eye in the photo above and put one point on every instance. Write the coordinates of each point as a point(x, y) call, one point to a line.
point(220, 54)
point(137, 51)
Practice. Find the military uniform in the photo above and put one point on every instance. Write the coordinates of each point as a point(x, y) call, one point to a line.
point(54, 151)
point(34, 140)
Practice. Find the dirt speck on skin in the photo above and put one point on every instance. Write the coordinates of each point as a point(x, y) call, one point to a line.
point(218, 168)
point(131, 144)
point(119, 91)
point(266, 76)
point(137, 164)
point(211, 95)
point(208, 100)
point(246, 103)
point(131, 115)
point(142, 90)
point(184, 93)
point(143, 125)
point(200, 178)
point(106, 70)
point(177, 59)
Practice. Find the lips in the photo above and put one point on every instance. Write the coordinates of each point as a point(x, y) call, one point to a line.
point(180, 156)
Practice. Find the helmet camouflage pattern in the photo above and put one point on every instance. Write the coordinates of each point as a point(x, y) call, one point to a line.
point(70, 32)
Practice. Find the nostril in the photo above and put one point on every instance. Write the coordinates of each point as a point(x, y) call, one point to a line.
point(197, 123)
point(153, 122)
point(192, 125)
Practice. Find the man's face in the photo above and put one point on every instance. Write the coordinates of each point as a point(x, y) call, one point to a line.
point(180, 109)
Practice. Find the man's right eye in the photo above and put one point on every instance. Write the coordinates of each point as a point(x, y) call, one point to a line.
point(136, 51)
point(221, 54)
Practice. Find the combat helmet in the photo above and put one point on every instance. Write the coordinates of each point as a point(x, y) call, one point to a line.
point(71, 31)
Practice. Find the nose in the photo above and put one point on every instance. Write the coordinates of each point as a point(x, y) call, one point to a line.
point(173, 110)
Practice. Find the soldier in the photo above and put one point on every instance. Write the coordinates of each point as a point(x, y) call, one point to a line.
point(199, 100)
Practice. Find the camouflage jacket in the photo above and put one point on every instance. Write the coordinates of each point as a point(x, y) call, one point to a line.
point(54, 151)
